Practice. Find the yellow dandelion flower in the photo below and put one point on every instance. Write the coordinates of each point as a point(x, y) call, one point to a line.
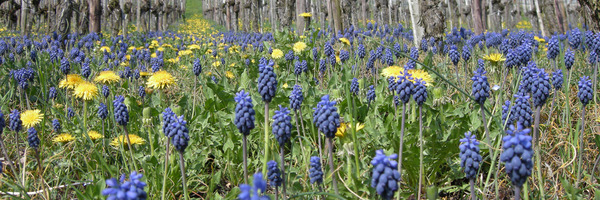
point(134, 139)
point(341, 131)
point(494, 57)
point(216, 63)
point(143, 74)
point(419, 74)
point(539, 39)
point(209, 51)
point(277, 54)
point(229, 75)
point(153, 55)
point(160, 80)
point(160, 49)
point(86, 91)
point(285, 85)
point(94, 135)
point(298, 47)
point(392, 71)
point(63, 138)
point(71, 81)
point(193, 47)
point(128, 57)
point(307, 15)
point(185, 52)
point(107, 77)
point(105, 49)
point(31, 118)
point(345, 41)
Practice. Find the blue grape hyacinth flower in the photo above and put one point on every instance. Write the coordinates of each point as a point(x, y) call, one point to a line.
point(282, 125)
point(32, 138)
point(267, 81)
point(521, 110)
point(569, 59)
point(517, 155)
point(540, 88)
point(244, 113)
point(481, 87)
point(385, 175)
point(56, 126)
point(553, 48)
point(405, 88)
point(125, 190)
point(273, 174)
point(454, 55)
point(102, 111)
point(2, 123)
point(585, 93)
point(179, 131)
point(197, 67)
point(371, 94)
point(15, 123)
point(121, 111)
point(105, 91)
point(255, 191)
point(505, 112)
point(469, 155)
point(557, 79)
point(419, 92)
point(316, 171)
point(52, 93)
point(354, 86)
point(326, 117)
point(296, 97)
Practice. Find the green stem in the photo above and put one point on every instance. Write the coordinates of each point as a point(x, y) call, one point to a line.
point(401, 141)
point(580, 154)
point(333, 177)
point(182, 167)
point(282, 164)
point(472, 185)
point(538, 159)
point(245, 155)
point(421, 168)
point(166, 172)
point(266, 157)
point(130, 148)
point(517, 193)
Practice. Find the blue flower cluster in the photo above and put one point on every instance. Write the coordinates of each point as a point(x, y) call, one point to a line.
point(540, 88)
point(121, 112)
point(197, 67)
point(2, 123)
point(420, 92)
point(256, 191)
point(385, 175)
point(32, 138)
point(65, 66)
point(178, 131)
point(360, 51)
point(70, 113)
point(105, 91)
point(316, 171)
point(56, 126)
point(125, 190)
point(142, 91)
point(557, 79)
point(517, 155)
point(569, 59)
point(469, 155)
point(585, 93)
point(405, 88)
point(168, 118)
point(481, 87)
point(553, 48)
point(273, 174)
point(454, 55)
point(521, 111)
point(326, 117)
point(282, 125)
point(52, 93)
point(16, 124)
point(505, 111)
point(296, 97)
point(244, 113)
point(466, 53)
point(371, 94)
point(102, 111)
point(267, 81)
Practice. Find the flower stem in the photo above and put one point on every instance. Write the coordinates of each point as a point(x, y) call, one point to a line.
point(330, 144)
point(517, 193)
point(283, 190)
point(130, 148)
point(538, 160)
point(580, 154)
point(245, 155)
point(402, 140)
point(472, 184)
point(166, 172)
point(276, 192)
point(266, 157)
point(182, 167)
point(487, 131)
point(421, 152)
point(10, 164)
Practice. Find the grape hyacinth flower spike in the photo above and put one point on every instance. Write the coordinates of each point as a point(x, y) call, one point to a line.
point(274, 176)
point(327, 119)
point(121, 114)
point(470, 159)
point(385, 178)
point(255, 191)
point(169, 118)
point(585, 95)
point(557, 81)
point(316, 172)
point(517, 156)
point(296, 98)
point(404, 91)
point(371, 94)
point(282, 129)
point(178, 128)
point(481, 91)
point(244, 120)
point(120, 190)
point(267, 87)
point(540, 89)
point(420, 96)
